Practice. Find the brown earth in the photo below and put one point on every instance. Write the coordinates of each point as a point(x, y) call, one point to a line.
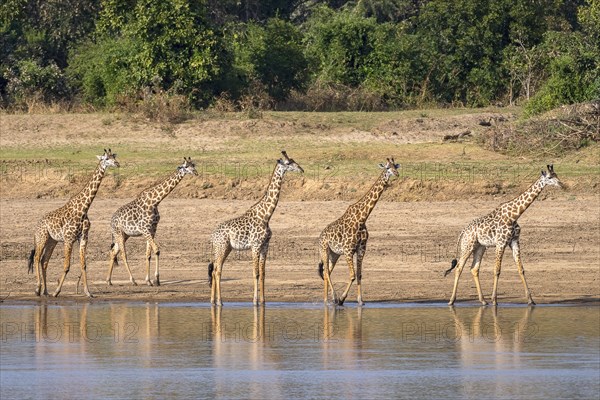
point(413, 230)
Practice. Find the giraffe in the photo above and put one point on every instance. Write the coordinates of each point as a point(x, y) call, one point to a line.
point(249, 231)
point(67, 224)
point(498, 229)
point(348, 235)
point(140, 218)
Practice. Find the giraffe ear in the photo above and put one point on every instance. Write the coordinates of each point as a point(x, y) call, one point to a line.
point(382, 166)
point(397, 166)
point(543, 173)
point(99, 157)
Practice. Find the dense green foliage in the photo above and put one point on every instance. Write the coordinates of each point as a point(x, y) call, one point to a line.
point(401, 53)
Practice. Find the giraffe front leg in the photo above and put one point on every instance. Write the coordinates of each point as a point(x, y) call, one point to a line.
point(477, 257)
point(262, 266)
point(517, 256)
point(148, 257)
point(67, 266)
point(256, 274)
point(151, 246)
point(350, 262)
point(497, 268)
point(360, 254)
point(82, 252)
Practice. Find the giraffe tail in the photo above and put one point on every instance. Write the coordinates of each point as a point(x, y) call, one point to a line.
point(211, 268)
point(30, 263)
point(321, 270)
point(454, 262)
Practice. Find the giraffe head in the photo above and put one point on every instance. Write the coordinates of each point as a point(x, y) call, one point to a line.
point(108, 159)
point(289, 164)
point(390, 167)
point(188, 167)
point(550, 178)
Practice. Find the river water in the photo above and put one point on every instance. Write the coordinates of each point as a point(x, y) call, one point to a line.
point(169, 350)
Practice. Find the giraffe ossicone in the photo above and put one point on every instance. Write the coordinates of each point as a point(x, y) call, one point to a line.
point(140, 217)
point(348, 236)
point(249, 231)
point(68, 224)
point(498, 229)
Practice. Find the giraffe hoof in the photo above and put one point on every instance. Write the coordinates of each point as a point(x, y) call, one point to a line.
point(134, 283)
point(38, 292)
point(157, 282)
point(361, 303)
point(484, 303)
point(531, 303)
point(451, 303)
point(149, 283)
point(109, 283)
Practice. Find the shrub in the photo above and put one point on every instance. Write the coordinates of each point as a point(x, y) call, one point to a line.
point(31, 81)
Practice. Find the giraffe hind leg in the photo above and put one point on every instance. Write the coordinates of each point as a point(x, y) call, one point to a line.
point(477, 257)
point(220, 253)
point(460, 265)
point(350, 262)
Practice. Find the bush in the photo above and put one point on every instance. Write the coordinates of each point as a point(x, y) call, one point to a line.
point(31, 81)
point(102, 71)
point(572, 67)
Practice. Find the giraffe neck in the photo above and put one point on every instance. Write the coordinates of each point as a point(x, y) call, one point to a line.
point(154, 195)
point(83, 200)
point(266, 206)
point(515, 208)
point(361, 210)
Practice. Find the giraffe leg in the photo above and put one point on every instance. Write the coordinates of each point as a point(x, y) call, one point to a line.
point(47, 253)
point(121, 243)
point(68, 251)
point(39, 248)
point(262, 264)
point(256, 271)
point(324, 265)
point(459, 268)
point(82, 251)
point(151, 246)
point(328, 260)
point(112, 258)
point(220, 256)
point(333, 259)
point(350, 262)
point(477, 256)
point(497, 268)
point(517, 256)
point(360, 253)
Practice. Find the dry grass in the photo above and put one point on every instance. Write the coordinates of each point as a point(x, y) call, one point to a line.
point(559, 132)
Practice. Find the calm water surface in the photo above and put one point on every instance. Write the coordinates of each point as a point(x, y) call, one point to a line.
point(138, 350)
